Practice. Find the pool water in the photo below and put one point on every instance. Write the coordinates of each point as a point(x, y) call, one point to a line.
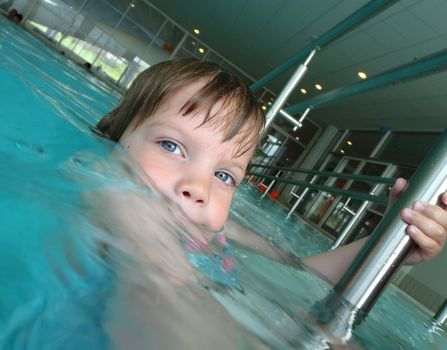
point(56, 293)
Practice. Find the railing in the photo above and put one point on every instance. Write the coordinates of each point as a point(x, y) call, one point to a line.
point(339, 210)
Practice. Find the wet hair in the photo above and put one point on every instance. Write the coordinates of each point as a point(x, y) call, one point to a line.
point(243, 116)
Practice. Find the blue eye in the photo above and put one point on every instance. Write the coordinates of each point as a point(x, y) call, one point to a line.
point(171, 147)
point(226, 178)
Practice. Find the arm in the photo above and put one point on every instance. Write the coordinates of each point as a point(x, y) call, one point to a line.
point(427, 226)
point(246, 239)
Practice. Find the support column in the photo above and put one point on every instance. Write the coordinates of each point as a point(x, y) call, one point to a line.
point(287, 90)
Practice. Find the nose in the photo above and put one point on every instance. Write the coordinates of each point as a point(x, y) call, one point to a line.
point(194, 189)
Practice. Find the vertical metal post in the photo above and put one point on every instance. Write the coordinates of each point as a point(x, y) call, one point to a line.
point(179, 45)
point(155, 37)
point(271, 184)
point(114, 31)
point(28, 13)
point(347, 231)
point(441, 314)
point(315, 178)
point(286, 91)
point(388, 246)
point(72, 22)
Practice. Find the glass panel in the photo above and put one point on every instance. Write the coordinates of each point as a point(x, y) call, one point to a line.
point(52, 18)
point(408, 148)
point(360, 143)
point(170, 37)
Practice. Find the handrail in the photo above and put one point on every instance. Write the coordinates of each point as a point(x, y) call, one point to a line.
point(381, 256)
point(441, 315)
point(353, 194)
point(366, 178)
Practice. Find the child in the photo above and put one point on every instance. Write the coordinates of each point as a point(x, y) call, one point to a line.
point(193, 128)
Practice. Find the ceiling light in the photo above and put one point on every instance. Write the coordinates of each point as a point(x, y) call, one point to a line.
point(263, 107)
point(196, 31)
point(342, 151)
point(303, 91)
point(318, 87)
point(193, 43)
point(297, 138)
point(362, 75)
point(201, 50)
point(132, 4)
point(349, 142)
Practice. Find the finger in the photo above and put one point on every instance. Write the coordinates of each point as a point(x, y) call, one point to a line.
point(443, 200)
point(433, 212)
point(424, 223)
point(399, 187)
point(428, 247)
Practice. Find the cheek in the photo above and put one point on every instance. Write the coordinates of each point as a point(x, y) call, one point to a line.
point(158, 172)
point(220, 212)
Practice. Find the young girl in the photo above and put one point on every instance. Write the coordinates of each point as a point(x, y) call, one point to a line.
point(193, 128)
point(190, 129)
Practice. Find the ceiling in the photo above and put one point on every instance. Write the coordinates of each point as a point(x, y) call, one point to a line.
point(259, 35)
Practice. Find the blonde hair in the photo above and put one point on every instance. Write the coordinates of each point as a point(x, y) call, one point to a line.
point(243, 116)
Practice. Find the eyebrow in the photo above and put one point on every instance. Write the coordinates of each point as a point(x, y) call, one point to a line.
point(233, 163)
point(230, 162)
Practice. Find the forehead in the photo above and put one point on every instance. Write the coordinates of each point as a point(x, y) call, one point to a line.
point(219, 117)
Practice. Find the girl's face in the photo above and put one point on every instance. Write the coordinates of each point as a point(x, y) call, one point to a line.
point(187, 162)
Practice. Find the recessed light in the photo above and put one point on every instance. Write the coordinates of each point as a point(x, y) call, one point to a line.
point(318, 87)
point(132, 4)
point(297, 138)
point(362, 75)
point(303, 91)
point(349, 142)
point(196, 31)
point(342, 151)
point(193, 43)
point(201, 50)
point(263, 107)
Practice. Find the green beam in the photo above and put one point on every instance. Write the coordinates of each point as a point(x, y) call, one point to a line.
point(356, 19)
point(365, 178)
point(352, 194)
point(430, 64)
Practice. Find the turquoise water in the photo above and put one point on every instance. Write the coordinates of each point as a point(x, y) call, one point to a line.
point(56, 293)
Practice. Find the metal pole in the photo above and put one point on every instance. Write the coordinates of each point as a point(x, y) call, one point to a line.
point(72, 22)
point(382, 255)
point(155, 37)
point(28, 13)
point(347, 231)
point(179, 45)
point(291, 119)
point(389, 171)
point(441, 314)
point(113, 32)
point(343, 136)
point(286, 91)
point(271, 184)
